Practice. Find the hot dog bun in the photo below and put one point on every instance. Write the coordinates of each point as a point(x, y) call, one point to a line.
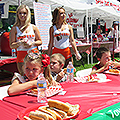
point(58, 104)
point(56, 110)
point(56, 113)
point(60, 112)
point(74, 109)
point(38, 115)
point(45, 110)
point(58, 117)
point(71, 110)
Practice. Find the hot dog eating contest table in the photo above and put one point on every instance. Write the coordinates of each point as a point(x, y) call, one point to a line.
point(97, 101)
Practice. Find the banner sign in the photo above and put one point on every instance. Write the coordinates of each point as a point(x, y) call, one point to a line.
point(74, 21)
point(43, 19)
point(109, 113)
point(108, 3)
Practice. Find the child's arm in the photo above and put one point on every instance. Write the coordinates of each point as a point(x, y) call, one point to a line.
point(18, 87)
point(54, 83)
point(102, 69)
point(94, 71)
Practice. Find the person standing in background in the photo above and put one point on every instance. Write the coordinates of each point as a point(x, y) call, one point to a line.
point(23, 35)
point(99, 36)
point(61, 36)
point(115, 33)
point(106, 36)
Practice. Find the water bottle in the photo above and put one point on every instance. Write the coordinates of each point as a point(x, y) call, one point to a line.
point(13, 53)
point(70, 72)
point(41, 87)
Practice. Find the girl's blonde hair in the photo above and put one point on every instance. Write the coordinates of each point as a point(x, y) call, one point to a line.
point(38, 59)
point(55, 14)
point(28, 20)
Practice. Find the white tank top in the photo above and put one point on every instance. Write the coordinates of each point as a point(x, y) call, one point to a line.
point(61, 38)
point(30, 37)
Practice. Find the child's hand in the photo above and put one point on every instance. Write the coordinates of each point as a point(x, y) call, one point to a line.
point(106, 67)
point(60, 76)
point(115, 64)
point(54, 83)
point(78, 56)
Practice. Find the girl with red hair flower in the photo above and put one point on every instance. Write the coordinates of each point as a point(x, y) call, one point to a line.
point(34, 65)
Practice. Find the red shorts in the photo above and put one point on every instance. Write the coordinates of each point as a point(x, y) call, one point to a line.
point(65, 52)
point(20, 56)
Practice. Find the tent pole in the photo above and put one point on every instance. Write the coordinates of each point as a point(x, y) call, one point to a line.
point(113, 41)
point(87, 25)
point(87, 30)
point(19, 2)
point(91, 40)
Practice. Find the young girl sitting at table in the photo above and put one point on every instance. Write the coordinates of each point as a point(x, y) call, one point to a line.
point(34, 64)
point(104, 58)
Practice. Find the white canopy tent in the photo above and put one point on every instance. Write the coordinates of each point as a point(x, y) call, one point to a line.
point(75, 7)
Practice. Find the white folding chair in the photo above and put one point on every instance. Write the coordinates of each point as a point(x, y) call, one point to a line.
point(3, 91)
point(84, 72)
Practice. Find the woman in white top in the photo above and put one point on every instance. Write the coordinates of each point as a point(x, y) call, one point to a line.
point(23, 35)
point(61, 36)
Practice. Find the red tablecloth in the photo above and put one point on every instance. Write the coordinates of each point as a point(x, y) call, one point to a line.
point(9, 111)
point(7, 61)
point(90, 96)
point(82, 48)
point(108, 45)
point(9, 64)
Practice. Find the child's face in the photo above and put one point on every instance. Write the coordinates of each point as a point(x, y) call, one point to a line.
point(32, 70)
point(55, 66)
point(105, 58)
point(98, 32)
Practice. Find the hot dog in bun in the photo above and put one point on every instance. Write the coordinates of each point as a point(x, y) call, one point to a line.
point(58, 104)
point(38, 115)
point(56, 110)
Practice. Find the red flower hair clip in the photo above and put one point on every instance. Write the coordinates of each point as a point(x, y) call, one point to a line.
point(45, 60)
point(34, 53)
